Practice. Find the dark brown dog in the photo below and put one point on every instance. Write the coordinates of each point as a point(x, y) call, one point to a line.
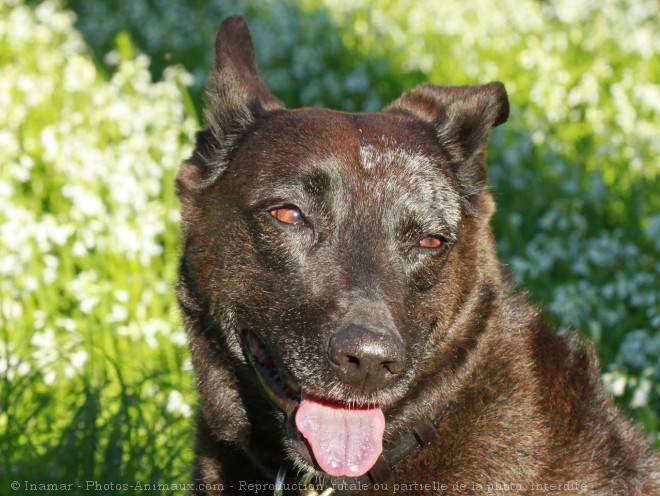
point(349, 321)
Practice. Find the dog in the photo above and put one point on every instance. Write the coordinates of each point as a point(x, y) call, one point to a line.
point(351, 328)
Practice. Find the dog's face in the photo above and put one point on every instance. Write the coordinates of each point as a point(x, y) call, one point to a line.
point(333, 250)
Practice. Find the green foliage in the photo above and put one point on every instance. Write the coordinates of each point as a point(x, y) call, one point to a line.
point(92, 354)
point(94, 376)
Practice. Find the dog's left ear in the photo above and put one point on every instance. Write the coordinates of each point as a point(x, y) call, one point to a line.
point(237, 95)
point(463, 117)
point(236, 98)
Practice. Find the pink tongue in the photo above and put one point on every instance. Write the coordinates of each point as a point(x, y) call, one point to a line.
point(345, 442)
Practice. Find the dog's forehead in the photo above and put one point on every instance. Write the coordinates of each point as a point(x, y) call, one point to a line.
point(382, 157)
point(381, 153)
point(377, 144)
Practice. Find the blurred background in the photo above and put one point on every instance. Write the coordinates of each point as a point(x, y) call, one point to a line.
point(99, 101)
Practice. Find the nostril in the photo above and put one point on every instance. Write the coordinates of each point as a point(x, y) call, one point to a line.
point(393, 367)
point(348, 364)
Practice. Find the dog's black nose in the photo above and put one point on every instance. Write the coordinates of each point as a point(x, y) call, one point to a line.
point(366, 359)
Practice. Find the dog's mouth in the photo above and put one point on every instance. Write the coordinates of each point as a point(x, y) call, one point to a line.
point(285, 396)
point(341, 440)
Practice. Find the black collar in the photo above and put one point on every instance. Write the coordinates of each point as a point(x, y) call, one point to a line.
point(422, 435)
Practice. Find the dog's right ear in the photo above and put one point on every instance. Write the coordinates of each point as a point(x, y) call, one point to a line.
point(236, 98)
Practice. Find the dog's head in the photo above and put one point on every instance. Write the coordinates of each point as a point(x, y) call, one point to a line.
point(336, 252)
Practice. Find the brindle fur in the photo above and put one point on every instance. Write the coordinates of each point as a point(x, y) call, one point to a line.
point(527, 407)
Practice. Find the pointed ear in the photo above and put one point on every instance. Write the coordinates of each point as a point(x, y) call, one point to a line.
point(237, 95)
point(462, 117)
point(236, 98)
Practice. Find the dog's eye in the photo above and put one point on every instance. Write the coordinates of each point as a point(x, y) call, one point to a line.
point(287, 215)
point(432, 242)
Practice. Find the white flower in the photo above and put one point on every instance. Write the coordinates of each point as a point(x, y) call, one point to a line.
point(615, 383)
point(121, 295)
point(118, 313)
point(65, 323)
point(50, 376)
point(641, 395)
point(76, 361)
point(151, 390)
point(176, 404)
point(44, 339)
point(178, 338)
point(11, 309)
point(23, 369)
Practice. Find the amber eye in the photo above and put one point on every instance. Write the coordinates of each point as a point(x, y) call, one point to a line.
point(287, 215)
point(431, 242)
